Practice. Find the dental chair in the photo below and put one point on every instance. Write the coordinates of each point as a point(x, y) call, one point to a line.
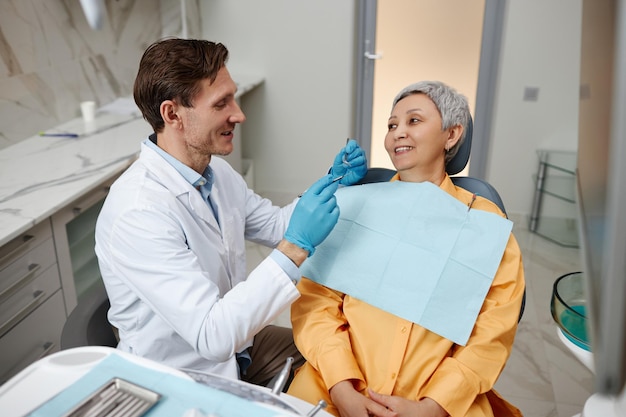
point(454, 166)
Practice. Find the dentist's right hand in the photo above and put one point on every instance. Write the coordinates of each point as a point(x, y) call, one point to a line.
point(314, 216)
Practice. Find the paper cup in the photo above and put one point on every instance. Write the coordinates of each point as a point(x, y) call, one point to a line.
point(88, 110)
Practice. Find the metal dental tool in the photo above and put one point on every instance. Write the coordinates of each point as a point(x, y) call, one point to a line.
point(334, 180)
point(344, 158)
point(320, 405)
point(281, 380)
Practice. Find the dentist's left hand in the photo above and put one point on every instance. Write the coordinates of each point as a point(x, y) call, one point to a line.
point(350, 163)
point(314, 216)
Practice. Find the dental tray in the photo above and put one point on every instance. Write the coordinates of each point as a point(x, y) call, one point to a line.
point(116, 398)
point(242, 390)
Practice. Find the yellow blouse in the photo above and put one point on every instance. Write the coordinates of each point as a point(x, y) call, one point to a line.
point(343, 338)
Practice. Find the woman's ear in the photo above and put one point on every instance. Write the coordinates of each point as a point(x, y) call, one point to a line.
point(169, 114)
point(454, 135)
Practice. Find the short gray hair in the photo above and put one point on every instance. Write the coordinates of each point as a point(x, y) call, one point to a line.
point(452, 105)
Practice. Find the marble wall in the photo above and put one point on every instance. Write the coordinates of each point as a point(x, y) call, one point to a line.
point(51, 60)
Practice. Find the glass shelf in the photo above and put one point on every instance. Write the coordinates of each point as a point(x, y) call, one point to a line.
point(555, 181)
point(560, 186)
point(564, 161)
point(562, 231)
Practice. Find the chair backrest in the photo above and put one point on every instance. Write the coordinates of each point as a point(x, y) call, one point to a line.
point(87, 324)
point(474, 185)
point(454, 166)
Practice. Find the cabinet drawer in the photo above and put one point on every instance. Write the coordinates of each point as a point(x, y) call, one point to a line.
point(25, 268)
point(36, 336)
point(23, 243)
point(27, 298)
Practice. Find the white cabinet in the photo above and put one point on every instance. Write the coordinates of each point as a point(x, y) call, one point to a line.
point(74, 237)
point(47, 223)
point(32, 311)
point(43, 274)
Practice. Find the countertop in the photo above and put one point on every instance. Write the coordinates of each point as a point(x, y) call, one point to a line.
point(41, 175)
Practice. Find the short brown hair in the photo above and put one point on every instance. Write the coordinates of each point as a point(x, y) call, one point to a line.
point(171, 69)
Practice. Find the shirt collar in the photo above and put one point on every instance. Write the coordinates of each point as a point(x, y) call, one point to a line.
point(447, 185)
point(205, 181)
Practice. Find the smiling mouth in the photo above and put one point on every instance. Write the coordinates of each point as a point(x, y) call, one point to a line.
point(402, 149)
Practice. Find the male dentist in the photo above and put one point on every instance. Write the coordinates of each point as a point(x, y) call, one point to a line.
point(170, 238)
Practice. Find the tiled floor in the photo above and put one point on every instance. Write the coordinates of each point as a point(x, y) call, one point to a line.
point(542, 377)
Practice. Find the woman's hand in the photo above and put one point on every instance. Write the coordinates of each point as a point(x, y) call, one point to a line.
point(402, 407)
point(352, 403)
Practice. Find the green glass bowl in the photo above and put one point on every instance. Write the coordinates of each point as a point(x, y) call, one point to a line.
point(568, 306)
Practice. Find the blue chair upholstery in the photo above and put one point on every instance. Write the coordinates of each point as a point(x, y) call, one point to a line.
point(460, 160)
point(475, 185)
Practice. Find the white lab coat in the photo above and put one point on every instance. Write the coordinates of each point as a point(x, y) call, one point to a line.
point(176, 280)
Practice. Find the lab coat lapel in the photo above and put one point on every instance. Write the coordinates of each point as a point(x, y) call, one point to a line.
point(200, 207)
point(177, 185)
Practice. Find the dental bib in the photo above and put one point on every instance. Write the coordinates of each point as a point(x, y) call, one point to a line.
point(413, 250)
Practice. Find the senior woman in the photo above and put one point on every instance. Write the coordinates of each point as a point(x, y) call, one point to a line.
point(364, 356)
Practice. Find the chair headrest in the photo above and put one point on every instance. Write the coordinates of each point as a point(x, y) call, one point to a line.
point(460, 160)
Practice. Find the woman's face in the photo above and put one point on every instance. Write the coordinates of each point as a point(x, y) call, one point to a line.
point(415, 141)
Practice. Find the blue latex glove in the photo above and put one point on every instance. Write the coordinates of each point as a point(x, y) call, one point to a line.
point(350, 163)
point(314, 216)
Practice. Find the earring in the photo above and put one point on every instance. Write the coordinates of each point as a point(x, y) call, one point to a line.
point(447, 148)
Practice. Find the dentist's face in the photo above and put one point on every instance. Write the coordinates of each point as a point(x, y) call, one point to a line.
point(209, 124)
point(414, 141)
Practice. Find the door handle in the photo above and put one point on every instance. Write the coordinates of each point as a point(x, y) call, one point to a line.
point(38, 298)
point(25, 279)
point(370, 55)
